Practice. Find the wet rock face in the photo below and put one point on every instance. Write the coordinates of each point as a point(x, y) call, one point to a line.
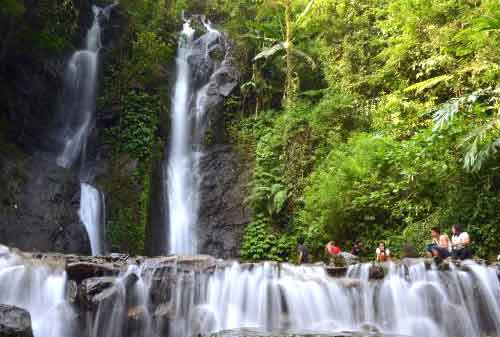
point(14, 322)
point(41, 212)
point(223, 213)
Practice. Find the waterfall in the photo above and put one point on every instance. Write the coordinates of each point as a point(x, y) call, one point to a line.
point(410, 301)
point(78, 119)
point(41, 290)
point(79, 94)
point(190, 296)
point(189, 104)
point(92, 215)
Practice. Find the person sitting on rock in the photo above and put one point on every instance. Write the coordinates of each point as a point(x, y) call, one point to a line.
point(382, 254)
point(303, 252)
point(444, 247)
point(331, 249)
point(440, 246)
point(357, 248)
point(460, 242)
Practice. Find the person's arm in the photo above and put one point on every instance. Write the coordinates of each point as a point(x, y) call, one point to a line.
point(377, 255)
point(301, 255)
point(387, 254)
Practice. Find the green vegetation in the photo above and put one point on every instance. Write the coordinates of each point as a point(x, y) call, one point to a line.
point(45, 27)
point(135, 90)
point(395, 128)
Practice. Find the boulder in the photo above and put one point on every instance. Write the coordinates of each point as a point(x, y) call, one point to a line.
point(79, 271)
point(14, 322)
point(336, 271)
point(377, 272)
point(349, 258)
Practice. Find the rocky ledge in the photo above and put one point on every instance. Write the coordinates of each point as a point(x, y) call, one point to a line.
point(281, 333)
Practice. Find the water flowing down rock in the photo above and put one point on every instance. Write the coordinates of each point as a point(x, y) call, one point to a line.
point(76, 121)
point(14, 322)
point(201, 84)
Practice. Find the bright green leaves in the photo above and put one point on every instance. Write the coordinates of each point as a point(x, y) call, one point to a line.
point(135, 135)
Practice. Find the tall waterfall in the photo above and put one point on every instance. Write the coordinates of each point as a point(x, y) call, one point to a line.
point(78, 119)
point(194, 70)
point(80, 85)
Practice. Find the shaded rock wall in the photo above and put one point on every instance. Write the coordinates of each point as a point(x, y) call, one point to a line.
point(223, 213)
point(40, 214)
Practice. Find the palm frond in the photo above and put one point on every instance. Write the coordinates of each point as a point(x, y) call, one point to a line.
point(427, 84)
point(268, 52)
point(304, 13)
point(446, 113)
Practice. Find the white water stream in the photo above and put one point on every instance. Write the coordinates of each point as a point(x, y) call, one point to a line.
point(188, 128)
point(92, 215)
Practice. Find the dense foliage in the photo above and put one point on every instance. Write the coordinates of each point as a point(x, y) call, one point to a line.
point(392, 127)
point(367, 119)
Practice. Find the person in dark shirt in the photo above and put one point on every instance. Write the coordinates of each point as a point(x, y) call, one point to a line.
point(302, 251)
point(357, 248)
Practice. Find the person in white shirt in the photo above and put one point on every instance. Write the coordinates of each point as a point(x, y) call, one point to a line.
point(460, 242)
point(382, 254)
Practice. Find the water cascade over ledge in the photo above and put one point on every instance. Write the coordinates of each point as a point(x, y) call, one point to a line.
point(186, 296)
point(196, 72)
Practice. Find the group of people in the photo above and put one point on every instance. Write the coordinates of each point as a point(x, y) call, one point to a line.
point(441, 246)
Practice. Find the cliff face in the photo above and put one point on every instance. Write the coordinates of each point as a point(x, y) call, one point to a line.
point(223, 213)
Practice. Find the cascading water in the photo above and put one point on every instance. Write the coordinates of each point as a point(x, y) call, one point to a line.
point(410, 301)
point(190, 296)
point(92, 215)
point(194, 70)
point(80, 84)
point(78, 110)
point(40, 289)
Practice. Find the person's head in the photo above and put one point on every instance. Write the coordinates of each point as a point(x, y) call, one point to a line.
point(435, 232)
point(456, 229)
point(301, 240)
point(358, 243)
point(381, 245)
